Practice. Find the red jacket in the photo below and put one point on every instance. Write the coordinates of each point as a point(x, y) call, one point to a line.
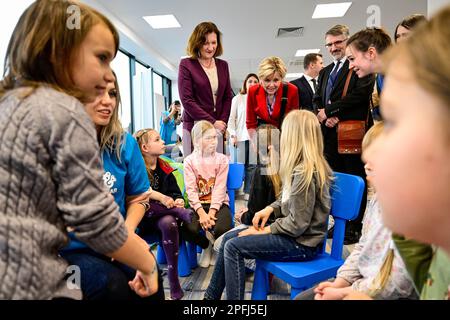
point(257, 105)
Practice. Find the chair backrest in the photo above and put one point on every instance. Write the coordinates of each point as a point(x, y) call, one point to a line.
point(235, 175)
point(346, 194)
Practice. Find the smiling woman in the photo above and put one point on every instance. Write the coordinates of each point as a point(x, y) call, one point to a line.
point(203, 70)
point(264, 100)
point(126, 178)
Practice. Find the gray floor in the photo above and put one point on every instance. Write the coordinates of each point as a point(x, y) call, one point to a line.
point(195, 285)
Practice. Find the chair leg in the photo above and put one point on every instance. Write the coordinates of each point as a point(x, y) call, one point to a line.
point(231, 196)
point(184, 267)
point(296, 291)
point(161, 255)
point(260, 283)
point(192, 253)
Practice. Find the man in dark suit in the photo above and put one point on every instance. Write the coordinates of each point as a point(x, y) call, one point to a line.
point(331, 108)
point(307, 84)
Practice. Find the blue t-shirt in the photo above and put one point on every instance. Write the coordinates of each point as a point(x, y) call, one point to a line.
point(167, 130)
point(127, 177)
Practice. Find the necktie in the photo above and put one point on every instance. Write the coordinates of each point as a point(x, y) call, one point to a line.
point(331, 81)
point(314, 81)
point(333, 74)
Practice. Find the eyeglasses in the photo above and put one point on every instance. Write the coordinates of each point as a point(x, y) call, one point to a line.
point(336, 43)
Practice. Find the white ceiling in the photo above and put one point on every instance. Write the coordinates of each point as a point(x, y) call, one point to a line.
point(249, 28)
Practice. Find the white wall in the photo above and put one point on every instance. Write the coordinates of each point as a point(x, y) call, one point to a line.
point(9, 15)
point(435, 5)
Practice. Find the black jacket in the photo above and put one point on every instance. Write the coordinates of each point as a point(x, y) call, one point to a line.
point(355, 105)
point(305, 93)
point(164, 181)
point(261, 195)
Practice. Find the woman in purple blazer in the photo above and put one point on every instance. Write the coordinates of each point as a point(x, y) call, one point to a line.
point(204, 83)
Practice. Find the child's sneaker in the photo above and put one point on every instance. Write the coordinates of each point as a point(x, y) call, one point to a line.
point(205, 257)
point(210, 237)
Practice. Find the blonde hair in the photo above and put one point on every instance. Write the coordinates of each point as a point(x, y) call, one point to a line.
point(269, 66)
point(381, 279)
point(142, 137)
point(372, 134)
point(111, 135)
point(269, 135)
point(302, 153)
point(426, 54)
point(199, 130)
point(42, 47)
point(198, 38)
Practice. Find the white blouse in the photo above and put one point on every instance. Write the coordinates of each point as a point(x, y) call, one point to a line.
point(238, 115)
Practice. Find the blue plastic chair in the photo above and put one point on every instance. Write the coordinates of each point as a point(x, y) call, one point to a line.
point(234, 182)
point(346, 194)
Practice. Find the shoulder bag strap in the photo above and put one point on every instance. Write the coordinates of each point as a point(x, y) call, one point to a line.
point(284, 101)
point(344, 93)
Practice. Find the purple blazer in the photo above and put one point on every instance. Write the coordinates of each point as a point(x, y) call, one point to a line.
point(196, 94)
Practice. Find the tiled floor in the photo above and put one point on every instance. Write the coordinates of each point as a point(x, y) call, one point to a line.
point(194, 286)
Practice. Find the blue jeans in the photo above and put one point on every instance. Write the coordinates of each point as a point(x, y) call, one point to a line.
point(102, 279)
point(229, 271)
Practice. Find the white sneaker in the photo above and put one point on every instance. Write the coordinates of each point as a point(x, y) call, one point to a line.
point(205, 257)
point(210, 237)
point(213, 258)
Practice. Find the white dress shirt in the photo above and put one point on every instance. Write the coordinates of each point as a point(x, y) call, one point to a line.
point(311, 84)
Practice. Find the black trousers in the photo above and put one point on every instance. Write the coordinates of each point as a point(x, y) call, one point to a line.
point(191, 231)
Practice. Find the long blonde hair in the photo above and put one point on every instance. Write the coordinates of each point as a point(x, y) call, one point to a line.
point(381, 279)
point(142, 137)
point(111, 135)
point(302, 153)
point(269, 136)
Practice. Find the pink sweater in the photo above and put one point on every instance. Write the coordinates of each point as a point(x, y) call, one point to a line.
point(206, 180)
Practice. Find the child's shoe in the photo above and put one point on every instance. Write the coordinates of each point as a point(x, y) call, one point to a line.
point(205, 257)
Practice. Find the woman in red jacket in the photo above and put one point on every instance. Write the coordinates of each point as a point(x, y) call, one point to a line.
point(264, 99)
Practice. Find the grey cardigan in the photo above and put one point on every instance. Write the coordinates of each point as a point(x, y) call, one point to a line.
point(306, 221)
point(50, 179)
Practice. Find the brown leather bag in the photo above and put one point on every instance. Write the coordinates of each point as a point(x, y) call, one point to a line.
point(350, 132)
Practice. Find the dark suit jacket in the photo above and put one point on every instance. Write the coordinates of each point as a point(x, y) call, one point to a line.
point(196, 95)
point(305, 93)
point(257, 105)
point(355, 105)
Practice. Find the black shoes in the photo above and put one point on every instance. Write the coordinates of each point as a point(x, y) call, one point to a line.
point(351, 237)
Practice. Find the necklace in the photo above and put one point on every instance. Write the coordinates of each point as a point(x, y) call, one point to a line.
point(204, 65)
